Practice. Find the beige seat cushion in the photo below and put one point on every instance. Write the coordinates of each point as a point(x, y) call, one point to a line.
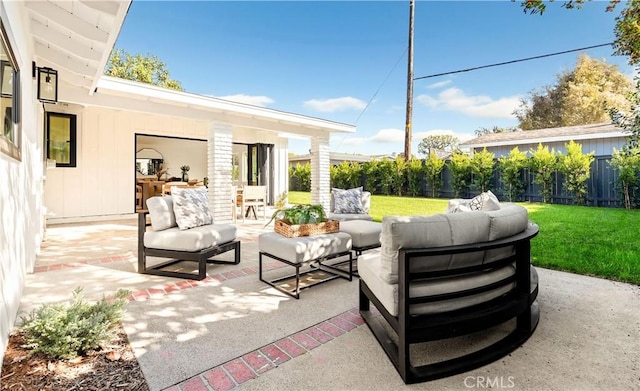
point(306, 248)
point(364, 233)
point(194, 239)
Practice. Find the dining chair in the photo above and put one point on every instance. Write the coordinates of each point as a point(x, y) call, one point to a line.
point(252, 197)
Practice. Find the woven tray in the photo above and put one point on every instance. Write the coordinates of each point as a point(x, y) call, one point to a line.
point(294, 231)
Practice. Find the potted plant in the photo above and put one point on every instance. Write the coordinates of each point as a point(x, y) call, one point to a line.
point(185, 176)
point(303, 220)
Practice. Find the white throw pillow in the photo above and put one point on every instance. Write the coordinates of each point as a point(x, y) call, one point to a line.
point(191, 207)
point(484, 201)
point(348, 201)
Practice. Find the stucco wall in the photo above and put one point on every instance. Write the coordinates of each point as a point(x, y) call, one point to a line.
point(20, 184)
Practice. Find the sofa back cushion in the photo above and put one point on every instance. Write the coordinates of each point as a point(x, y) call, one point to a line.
point(507, 221)
point(416, 232)
point(161, 212)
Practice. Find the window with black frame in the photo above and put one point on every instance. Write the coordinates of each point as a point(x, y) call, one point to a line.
point(61, 139)
point(10, 136)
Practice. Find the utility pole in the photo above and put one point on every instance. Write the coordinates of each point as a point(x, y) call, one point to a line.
point(407, 128)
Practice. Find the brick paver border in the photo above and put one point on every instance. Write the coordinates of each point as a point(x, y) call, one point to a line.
point(255, 363)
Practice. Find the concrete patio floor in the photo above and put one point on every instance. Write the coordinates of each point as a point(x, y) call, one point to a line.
point(231, 331)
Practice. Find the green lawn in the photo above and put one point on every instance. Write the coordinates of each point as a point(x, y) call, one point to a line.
point(599, 242)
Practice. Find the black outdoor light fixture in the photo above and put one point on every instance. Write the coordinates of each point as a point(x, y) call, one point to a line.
point(47, 85)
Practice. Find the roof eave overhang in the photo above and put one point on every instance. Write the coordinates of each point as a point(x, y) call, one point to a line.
point(545, 140)
point(134, 96)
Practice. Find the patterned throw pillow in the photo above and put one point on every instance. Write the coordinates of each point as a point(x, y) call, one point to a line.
point(348, 201)
point(191, 207)
point(484, 201)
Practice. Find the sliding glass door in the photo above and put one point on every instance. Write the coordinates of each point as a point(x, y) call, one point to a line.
point(253, 165)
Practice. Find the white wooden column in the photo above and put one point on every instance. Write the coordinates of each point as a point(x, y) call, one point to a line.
point(219, 151)
point(320, 177)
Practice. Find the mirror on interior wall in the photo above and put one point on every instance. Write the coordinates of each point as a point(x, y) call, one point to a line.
point(148, 161)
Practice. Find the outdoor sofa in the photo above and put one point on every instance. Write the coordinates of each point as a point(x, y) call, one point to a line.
point(442, 276)
point(183, 231)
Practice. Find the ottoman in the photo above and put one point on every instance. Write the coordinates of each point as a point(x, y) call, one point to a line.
point(301, 251)
point(365, 234)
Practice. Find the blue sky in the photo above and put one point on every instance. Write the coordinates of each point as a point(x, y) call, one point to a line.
point(328, 59)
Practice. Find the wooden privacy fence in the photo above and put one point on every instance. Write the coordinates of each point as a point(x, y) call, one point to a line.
point(601, 186)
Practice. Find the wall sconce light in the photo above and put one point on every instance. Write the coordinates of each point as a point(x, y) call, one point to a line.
point(47, 85)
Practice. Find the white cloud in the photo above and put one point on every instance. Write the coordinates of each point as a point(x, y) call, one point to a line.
point(439, 84)
point(354, 140)
point(256, 100)
point(454, 99)
point(335, 104)
point(388, 136)
point(383, 136)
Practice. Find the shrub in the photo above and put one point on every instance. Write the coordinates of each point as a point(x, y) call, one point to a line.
point(482, 167)
point(544, 164)
point(345, 175)
point(627, 162)
point(433, 167)
point(460, 167)
point(399, 169)
point(576, 166)
point(511, 167)
point(302, 174)
point(414, 174)
point(68, 330)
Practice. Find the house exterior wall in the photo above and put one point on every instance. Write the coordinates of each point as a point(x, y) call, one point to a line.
point(601, 146)
point(20, 183)
point(102, 184)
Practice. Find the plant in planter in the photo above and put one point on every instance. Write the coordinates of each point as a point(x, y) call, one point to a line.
point(302, 220)
point(185, 173)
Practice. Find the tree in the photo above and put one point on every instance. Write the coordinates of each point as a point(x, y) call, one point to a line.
point(627, 162)
point(460, 168)
point(627, 32)
point(482, 167)
point(630, 120)
point(584, 95)
point(433, 167)
point(399, 173)
point(544, 164)
point(481, 131)
point(576, 166)
point(511, 167)
point(627, 29)
point(438, 142)
point(415, 172)
point(145, 69)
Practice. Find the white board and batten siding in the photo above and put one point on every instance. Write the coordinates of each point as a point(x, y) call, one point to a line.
point(102, 185)
point(103, 182)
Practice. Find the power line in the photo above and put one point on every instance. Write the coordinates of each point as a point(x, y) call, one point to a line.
point(375, 94)
point(513, 61)
point(381, 85)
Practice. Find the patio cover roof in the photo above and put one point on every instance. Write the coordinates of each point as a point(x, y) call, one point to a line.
point(76, 38)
